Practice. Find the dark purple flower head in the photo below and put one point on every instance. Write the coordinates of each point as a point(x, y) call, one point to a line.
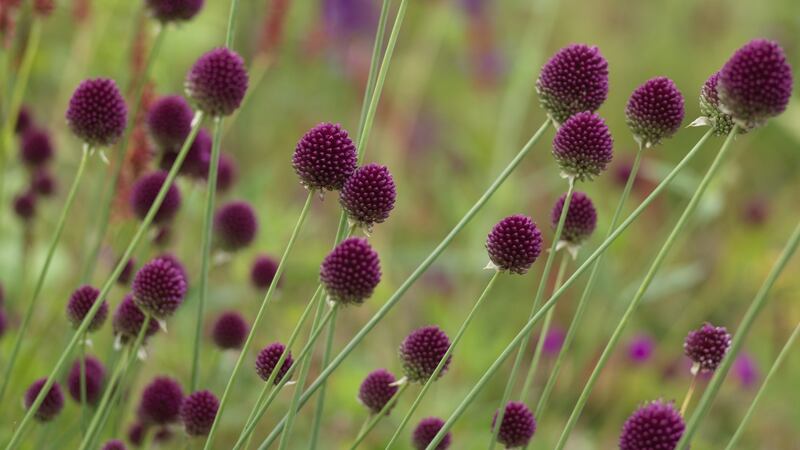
point(377, 389)
point(514, 244)
point(720, 122)
point(226, 172)
point(268, 358)
point(24, 120)
point(128, 320)
point(426, 430)
point(25, 205)
point(755, 83)
point(174, 10)
point(640, 348)
point(230, 330)
point(518, 425)
point(97, 113)
point(351, 271)
point(136, 433)
point(655, 426)
point(159, 287)
point(583, 146)
point(36, 148)
point(114, 444)
point(580, 221)
point(43, 182)
point(325, 157)
point(422, 350)
point(51, 405)
point(553, 341)
point(263, 271)
point(235, 225)
point(161, 401)
point(707, 346)
point(198, 412)
point(574, 80)
point(170, 120)
point(127, 272)
point(746, 370)
point(79, 304)
point(655, 111)
point(195, 164)
point(145, 191)
point(368, 195)
point(217, 82)
point(95, 378)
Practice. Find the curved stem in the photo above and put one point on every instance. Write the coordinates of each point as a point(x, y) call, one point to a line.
point(375, 418)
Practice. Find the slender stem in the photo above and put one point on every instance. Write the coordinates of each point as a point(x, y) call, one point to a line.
point(375, 418)
point(738, 339)
point(377, 48)
point(82, 381)
point(688, 397)
point(20, 86)
point(320, 407)
point(231, 31)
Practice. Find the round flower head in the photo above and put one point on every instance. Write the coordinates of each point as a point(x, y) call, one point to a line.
point(422, 350)
point(170, 120)
point(514, 244)
point(377, 389)
point(654, 426)
point(580, 221)
point(268, 358)
point(114, 444)
point(640, 348)
point(426, 430)
point(230, 331)
point(325, 157)
point(95, 378)
point(25, 205)
point(235, 225)
point(161, 401)
point(574, 80)
point(583, 146)
point(79, 304)
point(97, 113)
point(198, 412)
point(36, 148)
point(517, 427)
point(368, 195)
point(24, 120)
point(217, 82)
point(721, 123)
point(128, 320)
point(51, 405)
point(226, 172)
point(707, 346)
point(553, 341)
point(654, 111)
point(351, 271)
point(127, 272)
point(745, 369)
point(263, 271)
point(174, 10)
point(755, 83)
point(145, 191)
point(43, 182)
point(196, 160)
point(159, 287)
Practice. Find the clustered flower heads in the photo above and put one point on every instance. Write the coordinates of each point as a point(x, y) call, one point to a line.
point(230, 330)
point(325, 157)
point(235, 225)
point(217, 82)
point(263, 271)
point(128, 320)
point(720, 122)
point(707, 346)
point(160, 287)
point(574, 80)
point(198, 412)
point(144, 194)
point(161, 401)
point(97, 113)
point(377, 389)
point(79, 304)
point(95, 375)
point(583, 146)
point(51, 405)
point(655, 111)
point(655, 426)
point(422, 350)
point(581, 218)
point(170, 120)
point(267, 360)
point(174, 10)
point(36, 148)
point(517, 427)
point(351, 271)
point(514, 244)
point(368, 196)
point(426, 430)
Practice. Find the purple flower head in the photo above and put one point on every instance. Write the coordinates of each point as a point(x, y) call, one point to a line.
point(235, 225)
point(36, 148)
point(574, 80)
point(325, 157)
point(159, 287)
point(198, 412)
point(127, 272)
point(170, 120)
point(128, 320)
point(746, 370)
point(655, 111)
point(217, 82)
point(95, 378)
point(707, 346)
point(268, 358)
point(553, 341)
point(174, 10)
point(755, 83)
point(368, 195)
point(43, 182)
point(518, 425)
point(514, 244)
point(351, 271)
point(583, 146)
point(79, 304)
point(655, 426)
point(720, 122)
point(25, 205)
point(426, 430)
point(640, 348)
point(230, 330)
point(263, 271)
point(145, 191)
point(226, 172)
point(161, 401)
point(114, 444)
point(377, 389)
point(195, 164)
point(97, 113)
point(580, 221)
point(422, 350)
point(24, 120)
point(51, 405)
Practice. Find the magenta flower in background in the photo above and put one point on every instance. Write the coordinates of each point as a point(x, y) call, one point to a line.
point(198, 412)
point(263, 271)
point(174, 10)
point(36, 148)
point(170, 120)
point(553, 341)
point(640, 348)
point(79, 304)
point(745, 369)
point(52, 404)
point(144, 194)
point(348, 18)
point(230, 330)
point(95, 374)
point(128, 320)
point(161, 401)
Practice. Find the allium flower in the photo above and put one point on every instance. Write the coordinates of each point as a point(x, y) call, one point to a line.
point(655, 111)
point(114, 444)
point(746, 370)
point(226, 172)
point(426, 430)
point(325, 157)
point(195, 164)
point(368, 195)
point(161, 401)
point(351, 271)
point(707, 346)
point(174, 10)
point(268, 358)
point(97, 113)
point(43, 182)
point(25, 205)
point(422, 350)
point(24, 120)
point(128, 320)
point(553, 341)
point(655, 426)
point(127, 272)
point(640, 348)
point(51, 405)
point(583, 146)
point(170, 120)
point(518, 425)
point(230, 330)
point(755, 83)
point(217, 82)
point(235, 225)
point(159, 287)
point(377, 389)
point(95, 375)
point(721, 123)
point(263, 271)
point(145, 191)
point(580, 221)
point(36, 148)
point(514, 244)
point(198, 412)
point(574, 80)
point(79, 304)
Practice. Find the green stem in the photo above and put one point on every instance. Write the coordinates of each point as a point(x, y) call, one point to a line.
point(688, 397)
point(231, 31)
point(377, 48)
point(320, 407)
point(375, 418)
point(637, 298)
point(738, 339)
point(84, 406)
point(20, 86)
